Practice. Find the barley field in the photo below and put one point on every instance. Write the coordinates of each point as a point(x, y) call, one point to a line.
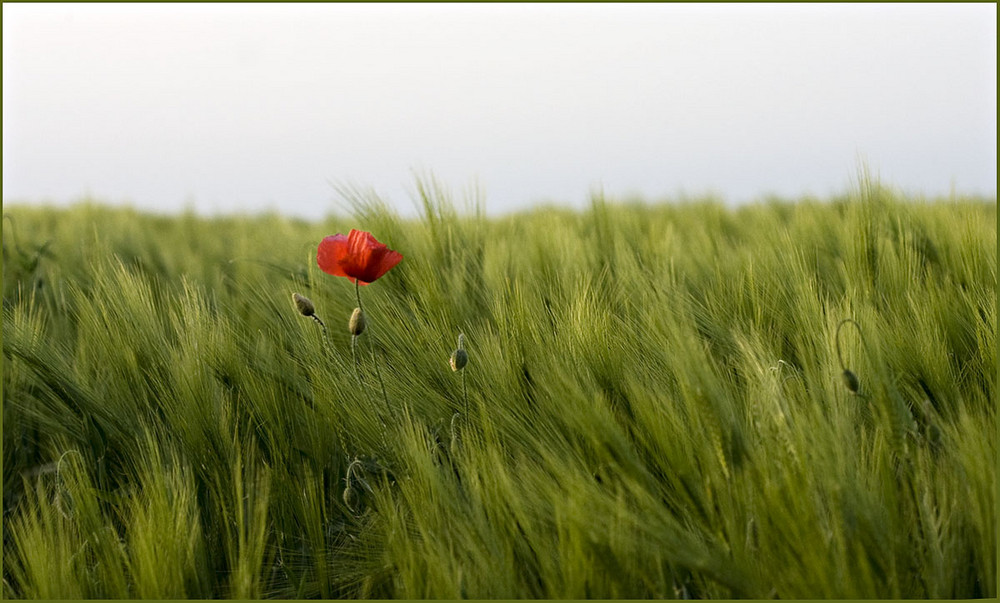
point(781, 400)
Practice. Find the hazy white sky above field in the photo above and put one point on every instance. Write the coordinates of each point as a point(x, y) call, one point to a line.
point(266, 106)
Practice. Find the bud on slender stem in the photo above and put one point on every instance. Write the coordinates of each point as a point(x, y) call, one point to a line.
point(306, 308)
point(357, 323)
point(851, 381)
point(459, 358)
point(304, 305)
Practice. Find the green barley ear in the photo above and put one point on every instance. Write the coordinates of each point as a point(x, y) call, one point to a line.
point(455, 442)
point(459, 358)
point(304, 305)
point(752, 537)
point(931, 430)
point(357, 323)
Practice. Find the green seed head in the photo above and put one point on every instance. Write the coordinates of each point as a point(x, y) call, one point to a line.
point(303, 304)
point(851, 381)
point(357, 324)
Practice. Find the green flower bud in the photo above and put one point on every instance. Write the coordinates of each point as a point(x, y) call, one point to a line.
point(851, 381)
point(304, 305)
point(459, 358)
point(357, 324)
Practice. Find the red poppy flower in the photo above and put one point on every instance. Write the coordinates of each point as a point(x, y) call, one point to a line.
point(358, 256)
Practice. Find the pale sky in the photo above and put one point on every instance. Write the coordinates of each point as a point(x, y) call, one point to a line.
point(252, 107)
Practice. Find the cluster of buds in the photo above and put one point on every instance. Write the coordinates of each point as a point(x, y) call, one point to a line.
point(306, 308)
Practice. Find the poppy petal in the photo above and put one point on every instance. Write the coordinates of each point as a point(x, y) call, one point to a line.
point(389, 259)
point(332, 250)
point(360, 247)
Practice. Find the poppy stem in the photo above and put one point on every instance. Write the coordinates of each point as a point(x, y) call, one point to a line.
point(371, 346)
point(326, 341)
point(354, 354)
point(378, 373)
point(465, 394)
point(354, 338)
